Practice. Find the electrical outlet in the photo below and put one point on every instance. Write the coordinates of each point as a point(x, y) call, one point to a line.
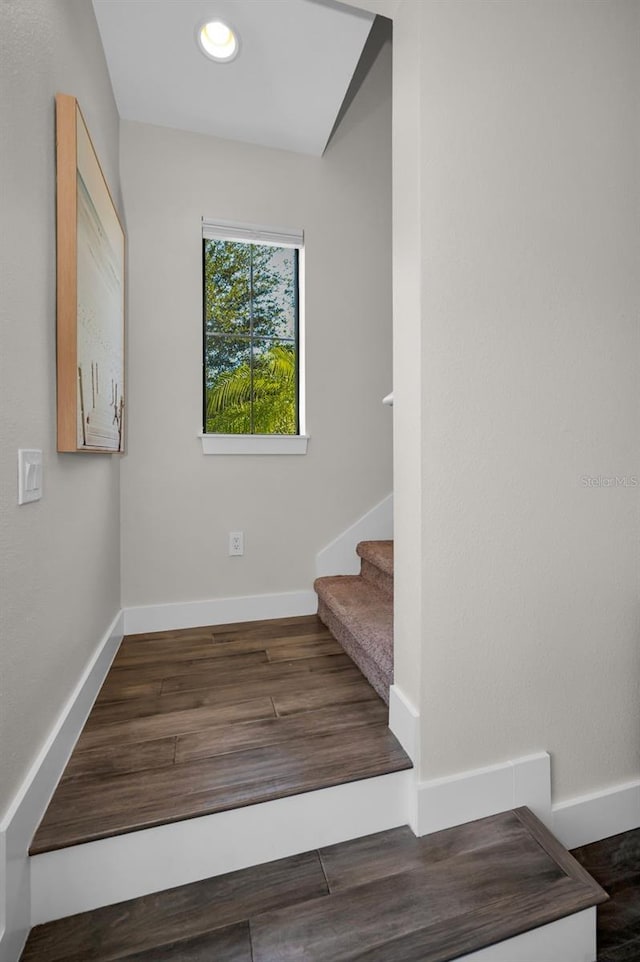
point(236, 543)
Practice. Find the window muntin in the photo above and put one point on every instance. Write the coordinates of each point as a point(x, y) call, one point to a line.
point(251, 337)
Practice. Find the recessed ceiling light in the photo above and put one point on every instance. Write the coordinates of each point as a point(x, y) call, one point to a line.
point(218, 41)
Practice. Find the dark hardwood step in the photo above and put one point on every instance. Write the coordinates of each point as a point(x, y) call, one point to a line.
point(389, 897)
point(153, 921)
point(360, 616)
point(472, 886)
point(91, 807)
point(206, 720)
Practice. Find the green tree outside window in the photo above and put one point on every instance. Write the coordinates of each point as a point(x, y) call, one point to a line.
point(250, 338)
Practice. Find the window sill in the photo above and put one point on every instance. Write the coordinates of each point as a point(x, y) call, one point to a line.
point(254, 443)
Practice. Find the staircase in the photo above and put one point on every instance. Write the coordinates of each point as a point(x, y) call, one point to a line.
point(358, 611)
point(272, 829)
point(500, 889)
point(213, 748)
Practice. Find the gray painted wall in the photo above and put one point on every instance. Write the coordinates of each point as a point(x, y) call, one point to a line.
point(518, 147)
point(60, 557)
point(178, 505)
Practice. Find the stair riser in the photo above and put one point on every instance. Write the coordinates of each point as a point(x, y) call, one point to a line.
point(572, 939)
point(84, 877)
point(376, 577)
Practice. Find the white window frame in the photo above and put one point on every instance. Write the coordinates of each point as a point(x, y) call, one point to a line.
point(264, 443)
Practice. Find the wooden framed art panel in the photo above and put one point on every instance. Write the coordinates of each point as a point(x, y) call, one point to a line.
point(90, 294)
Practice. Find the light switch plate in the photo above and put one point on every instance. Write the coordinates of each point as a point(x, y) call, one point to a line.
point(29, 475)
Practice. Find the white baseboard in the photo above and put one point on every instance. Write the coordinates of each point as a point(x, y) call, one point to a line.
point(339, 557)
point(111, 870)
point(28, 807)
point(580, 821)
point(572, 939)
point(218, 611)
point(445, 802)
point(404, 722)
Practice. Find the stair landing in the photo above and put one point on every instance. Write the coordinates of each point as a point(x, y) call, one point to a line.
point(200, 721)
point(389, 896)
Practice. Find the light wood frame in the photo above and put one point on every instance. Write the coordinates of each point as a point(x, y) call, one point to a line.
point(90, 294)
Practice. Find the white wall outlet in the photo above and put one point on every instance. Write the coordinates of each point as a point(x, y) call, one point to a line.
point(29, 475)
point(236, 543)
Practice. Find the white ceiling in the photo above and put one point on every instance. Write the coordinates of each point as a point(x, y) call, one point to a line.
point(284, 89)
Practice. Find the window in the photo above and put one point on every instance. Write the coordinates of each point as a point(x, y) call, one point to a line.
point(251, 332)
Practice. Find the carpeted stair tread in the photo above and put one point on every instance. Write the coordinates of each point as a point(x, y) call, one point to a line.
point(364, 612)
point(358, 611)
point(376, 564)
point(377, 553)
point(363, 609)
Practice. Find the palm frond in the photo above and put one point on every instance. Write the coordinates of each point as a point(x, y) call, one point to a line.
point(269, 390)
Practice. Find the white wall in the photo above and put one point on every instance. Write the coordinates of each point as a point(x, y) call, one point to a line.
point(59, 560)
point(178, 505)
point(407, 354)
point(529, 308)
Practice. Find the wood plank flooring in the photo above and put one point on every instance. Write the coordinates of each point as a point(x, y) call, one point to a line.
point(203, 720)
point(389, 897)
point(615, 864)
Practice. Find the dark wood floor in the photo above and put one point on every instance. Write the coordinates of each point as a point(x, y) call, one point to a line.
point(388, 897)
point(615, 863)
point(208, 719)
